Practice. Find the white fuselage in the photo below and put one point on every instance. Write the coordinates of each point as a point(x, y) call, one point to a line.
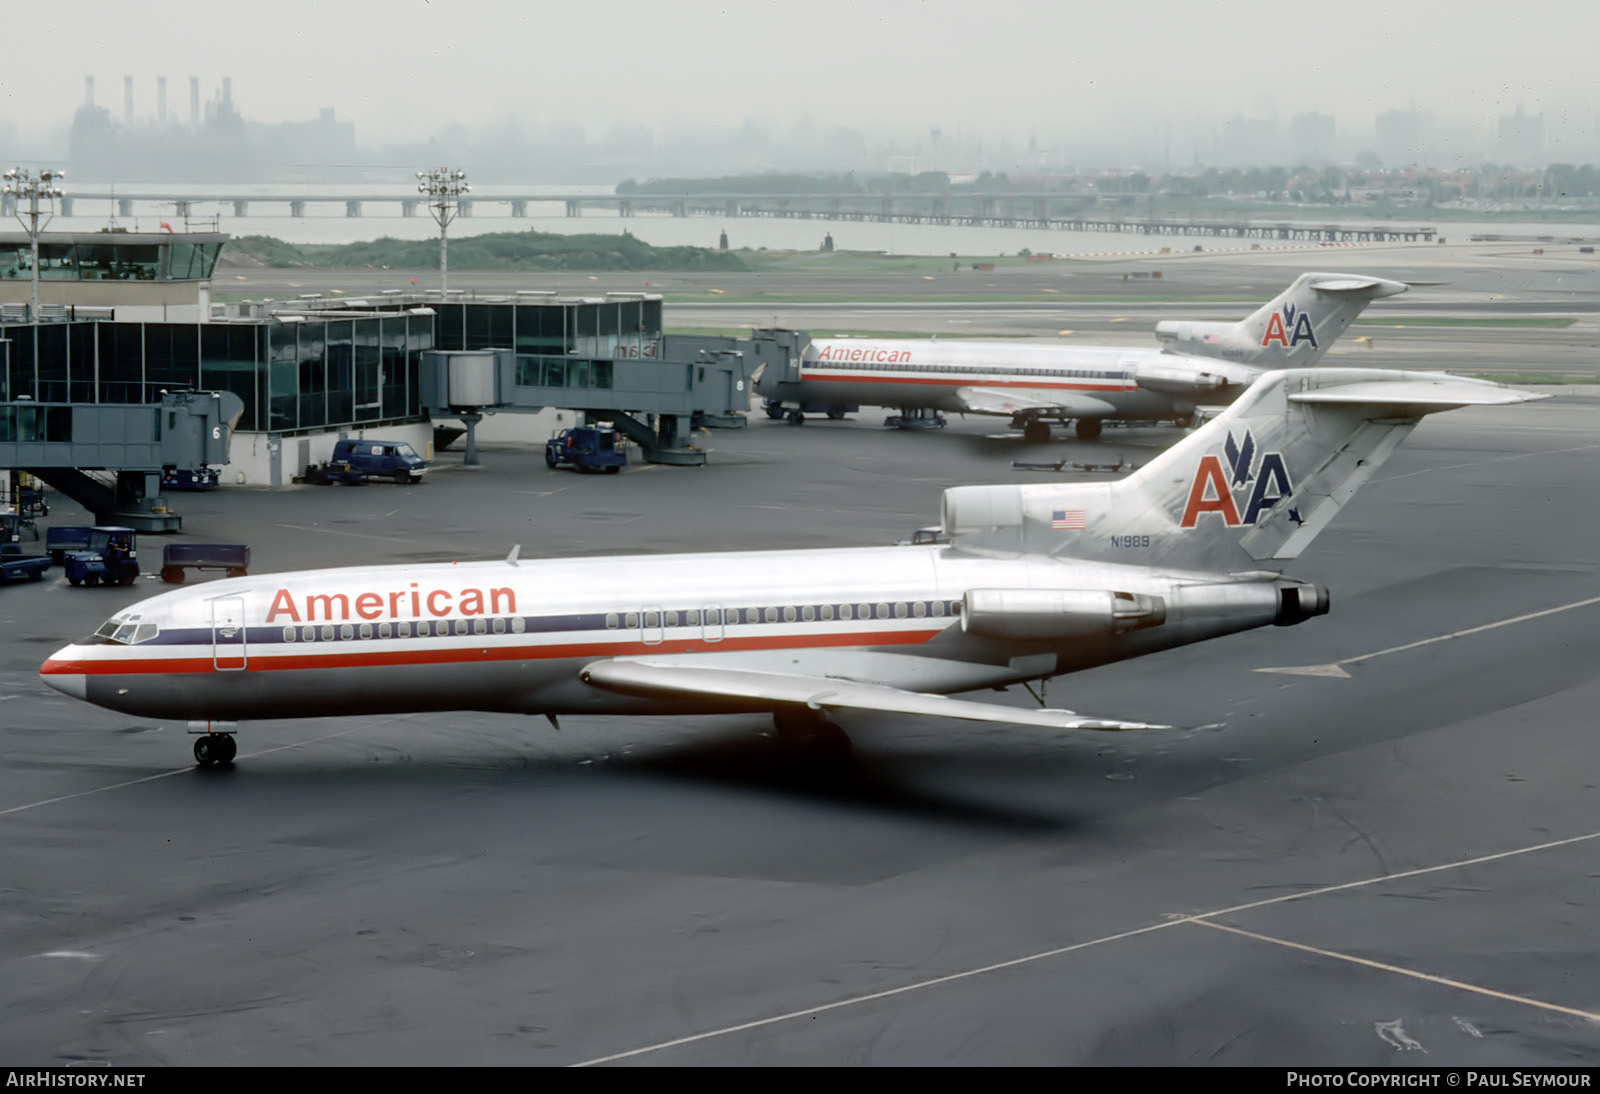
point(1099, 381)
point(515, 637)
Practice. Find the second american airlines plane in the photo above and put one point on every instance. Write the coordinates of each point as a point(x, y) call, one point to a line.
point(1038, 581)
point(1198, 363)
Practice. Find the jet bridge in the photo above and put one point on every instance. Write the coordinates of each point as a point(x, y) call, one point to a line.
point(108, 457)
point(653, 400)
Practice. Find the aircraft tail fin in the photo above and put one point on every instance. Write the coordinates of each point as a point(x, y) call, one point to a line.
point(1293, 330)
point(1251, 488)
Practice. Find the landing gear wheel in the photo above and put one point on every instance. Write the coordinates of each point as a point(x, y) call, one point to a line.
point(1036, 431)
point(797, 417)
point(811, 737)
point(836, 413)
point(230, 748)
point(206, 750)
point(1088, 429)
point(775, 411)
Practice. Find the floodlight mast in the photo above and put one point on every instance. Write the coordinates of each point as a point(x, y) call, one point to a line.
point(444, 187)
point(34, 187)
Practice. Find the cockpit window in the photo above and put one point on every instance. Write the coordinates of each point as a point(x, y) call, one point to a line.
point(127, 630)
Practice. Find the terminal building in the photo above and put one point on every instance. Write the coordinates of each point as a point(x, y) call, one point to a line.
point(127, 320)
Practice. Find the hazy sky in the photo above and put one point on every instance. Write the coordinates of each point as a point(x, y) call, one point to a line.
point(404, 68)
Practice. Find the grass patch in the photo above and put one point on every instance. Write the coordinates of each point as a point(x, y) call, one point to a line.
point(1550, 322)
point(744, 332)
point(1533, 377)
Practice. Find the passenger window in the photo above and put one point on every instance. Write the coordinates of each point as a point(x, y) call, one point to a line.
point(863, 611)
point(844, 611)
point(691, 619)
point(672, 618)
point(479, 626)
point(883, 611)
point(633, 620)
point(808, 613)
point(517, 625)
point(788, 614)
point(499, 626)
point(403, 630)
point(919, 609)
point(900, 610)
point(611, 621)
point(752, 615)
point(652, 619)
point(772, 615)
point(327, 634)
point(366, 630)
point(461, 626)
point(308, 634)
point(827, 611)
point(955, 607)
point(384, 630)
point(346, 631)
point(938, 607)
point(288, 634)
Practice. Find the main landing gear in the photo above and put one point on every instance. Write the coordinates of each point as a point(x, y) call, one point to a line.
point(811, 737)
point(1088, 429)
point(215, 748)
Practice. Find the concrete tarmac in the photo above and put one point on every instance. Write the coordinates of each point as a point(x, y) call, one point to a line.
point(1388, 862)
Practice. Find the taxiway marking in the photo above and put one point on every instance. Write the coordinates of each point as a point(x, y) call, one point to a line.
point(1016, 962)
point(1336, 670)
point(168, 774)
point(1386, 967)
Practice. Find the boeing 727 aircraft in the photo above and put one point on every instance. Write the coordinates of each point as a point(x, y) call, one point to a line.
point(1039, 580)
point(1033, 385)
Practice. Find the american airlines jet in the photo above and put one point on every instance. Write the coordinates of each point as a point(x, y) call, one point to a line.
point(1037, 581)
point(1199, 363)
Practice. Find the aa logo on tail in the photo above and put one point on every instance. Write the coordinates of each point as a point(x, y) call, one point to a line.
point(1288, 328)
point(1212, 490)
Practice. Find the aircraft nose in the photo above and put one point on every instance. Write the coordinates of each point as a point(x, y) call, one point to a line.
point(57, 671)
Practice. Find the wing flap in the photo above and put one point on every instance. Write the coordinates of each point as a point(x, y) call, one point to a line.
point(993, 400)
point(667, 680)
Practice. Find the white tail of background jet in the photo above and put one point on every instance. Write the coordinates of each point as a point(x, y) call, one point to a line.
point(1294, 330)
point(1248, 490)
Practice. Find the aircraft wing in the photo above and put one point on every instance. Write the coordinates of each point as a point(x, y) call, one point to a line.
point(999, 400)
point(670, 680)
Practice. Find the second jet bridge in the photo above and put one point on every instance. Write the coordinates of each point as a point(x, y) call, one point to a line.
point(653, 400)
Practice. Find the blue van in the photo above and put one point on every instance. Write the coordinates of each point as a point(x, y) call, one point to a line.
point(358, 461)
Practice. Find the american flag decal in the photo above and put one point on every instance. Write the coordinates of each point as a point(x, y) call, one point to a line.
point(1070, 519)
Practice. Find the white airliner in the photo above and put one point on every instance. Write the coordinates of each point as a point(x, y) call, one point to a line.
point(1037, 581)
point(1198, 363)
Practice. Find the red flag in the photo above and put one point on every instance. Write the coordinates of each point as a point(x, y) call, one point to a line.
point(167, 226)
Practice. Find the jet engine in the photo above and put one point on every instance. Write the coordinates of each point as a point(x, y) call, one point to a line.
point(966, 509)
point(1051, 614)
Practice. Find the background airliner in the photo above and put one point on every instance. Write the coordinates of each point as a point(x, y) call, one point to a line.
point(1039, 580)
point(1198, 363)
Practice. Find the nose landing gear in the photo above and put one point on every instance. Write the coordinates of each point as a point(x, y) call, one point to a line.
point(215, 748)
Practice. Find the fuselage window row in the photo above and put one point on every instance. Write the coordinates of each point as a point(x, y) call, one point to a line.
point(658, 619)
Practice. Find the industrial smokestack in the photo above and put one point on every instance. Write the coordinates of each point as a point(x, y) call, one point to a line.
point(194, 102)
point(127, 97)
point(227, 91)
point(88, 92)
point(161, 100)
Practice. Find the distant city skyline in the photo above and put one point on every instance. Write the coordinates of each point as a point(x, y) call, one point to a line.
point(822, 85)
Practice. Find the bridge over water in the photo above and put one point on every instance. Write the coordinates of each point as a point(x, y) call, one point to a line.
point(1007, 209)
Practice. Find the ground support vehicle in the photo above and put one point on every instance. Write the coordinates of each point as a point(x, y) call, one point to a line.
point(586, 448)
point(183, 478)
point(64, 538)
point(355, 462)
point(12, 525)
point(16, 566)
point(176, 558)
point(797, 415)
point(111, 558)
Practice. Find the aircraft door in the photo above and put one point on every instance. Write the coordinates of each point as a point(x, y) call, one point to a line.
point(1128, 364)
point(229, 650)
point(711, 625)
point(651, 628)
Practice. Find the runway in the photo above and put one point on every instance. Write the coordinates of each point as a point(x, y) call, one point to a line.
point(1389, 866)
